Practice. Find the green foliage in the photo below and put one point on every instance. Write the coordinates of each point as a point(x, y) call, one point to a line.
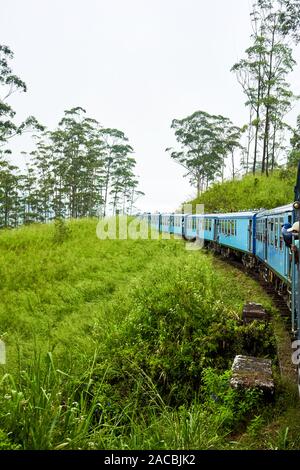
point(61, 231)
point(120, 344)
point(205, 141)
point(6, 443)
point(262, 74)
point(250, 192)
point(230, 405)
point(79, 169)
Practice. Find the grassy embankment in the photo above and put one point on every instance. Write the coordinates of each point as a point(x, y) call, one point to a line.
point(250, 192)
point(127, 345)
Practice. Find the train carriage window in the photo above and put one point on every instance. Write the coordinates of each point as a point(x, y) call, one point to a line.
point(276, 233)
point(271, 231)
point(281, 244)
point(260, 234)
point(194, 223)
point(210, 224)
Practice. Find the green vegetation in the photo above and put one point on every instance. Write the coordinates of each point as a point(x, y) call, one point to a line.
point(80, 169)
point(127, 345)
point(207, 144)
point(250, 192)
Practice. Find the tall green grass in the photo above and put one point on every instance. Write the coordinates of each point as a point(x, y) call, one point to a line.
point(250, 192)
point(120, 344)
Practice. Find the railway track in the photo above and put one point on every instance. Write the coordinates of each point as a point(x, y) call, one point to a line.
point(284, 350)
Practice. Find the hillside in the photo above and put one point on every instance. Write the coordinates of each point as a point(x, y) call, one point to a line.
point(250, 192)
point(127, 345)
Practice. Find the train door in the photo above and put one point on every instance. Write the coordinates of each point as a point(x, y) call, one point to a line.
point(171, 227)
point(183, 222)
point(250, 236)
point(266, 239)
point(216, 230)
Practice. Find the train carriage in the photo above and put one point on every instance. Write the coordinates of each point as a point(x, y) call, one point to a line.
point(270, 246)
point(156, 221)
point(201, 226)
point(237, 230)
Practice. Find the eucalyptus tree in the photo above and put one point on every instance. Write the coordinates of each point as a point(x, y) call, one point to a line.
point(9, 179)
point(290, 18)
point(9, 197)
point(294, 155)
point(232, 142)
point(29, 196)
point(263, 76)
point(116, 150)
point(73, 163)
point(205, 141)
point(75, 170)
point(10, 84)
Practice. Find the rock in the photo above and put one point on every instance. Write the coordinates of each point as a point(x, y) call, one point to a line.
point(252, 372)
point(253, 311)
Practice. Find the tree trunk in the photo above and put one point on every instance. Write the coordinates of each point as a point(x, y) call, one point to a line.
point(265, 158)
point(259, 83)
point(273, 147)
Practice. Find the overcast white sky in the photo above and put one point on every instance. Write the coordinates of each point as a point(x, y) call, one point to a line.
point(134, 65)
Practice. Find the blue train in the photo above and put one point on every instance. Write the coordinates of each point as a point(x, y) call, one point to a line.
point(256, 238)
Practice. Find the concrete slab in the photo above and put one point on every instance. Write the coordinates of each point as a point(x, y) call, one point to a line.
point(253, 311)
point(252, 372)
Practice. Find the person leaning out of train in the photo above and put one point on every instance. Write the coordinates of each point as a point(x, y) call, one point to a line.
point(294, 231)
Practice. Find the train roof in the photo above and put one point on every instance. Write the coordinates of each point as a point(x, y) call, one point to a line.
point(242, 214)
point(276, 210)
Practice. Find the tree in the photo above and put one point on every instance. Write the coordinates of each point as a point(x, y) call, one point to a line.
point(262, 75)
point(205, 141)
point(9, 84)
point(76, 170)
point(290, 18)
point(80, 169)
point(9, 201)
point(294, 155)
